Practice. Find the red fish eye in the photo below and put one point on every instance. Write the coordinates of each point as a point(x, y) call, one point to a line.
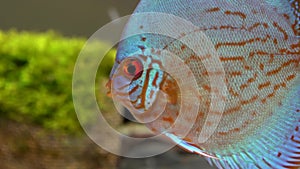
point(133, 68)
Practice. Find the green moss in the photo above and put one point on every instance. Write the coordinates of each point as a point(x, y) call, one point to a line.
point(36, 78)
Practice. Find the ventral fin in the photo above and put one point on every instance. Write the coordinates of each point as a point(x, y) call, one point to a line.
point(188, 146)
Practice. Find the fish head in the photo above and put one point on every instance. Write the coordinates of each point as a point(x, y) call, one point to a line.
point(138, 81)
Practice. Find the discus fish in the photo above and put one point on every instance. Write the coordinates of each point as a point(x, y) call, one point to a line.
point(257, 45)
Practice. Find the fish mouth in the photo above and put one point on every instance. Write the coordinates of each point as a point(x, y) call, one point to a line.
point(108, 86)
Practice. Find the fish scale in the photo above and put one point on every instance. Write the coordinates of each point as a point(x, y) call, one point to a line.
point(258, 45)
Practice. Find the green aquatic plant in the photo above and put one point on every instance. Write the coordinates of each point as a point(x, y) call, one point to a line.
point(36, 78)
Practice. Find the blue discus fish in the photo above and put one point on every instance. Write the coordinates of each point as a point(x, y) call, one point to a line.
point(257, 44)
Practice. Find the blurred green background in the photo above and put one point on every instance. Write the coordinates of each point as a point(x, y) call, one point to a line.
point(36, 78)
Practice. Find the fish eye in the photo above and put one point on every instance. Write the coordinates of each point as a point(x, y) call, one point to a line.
point(133, 68)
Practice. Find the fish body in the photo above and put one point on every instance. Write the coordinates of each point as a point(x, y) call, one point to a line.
point(257, 44)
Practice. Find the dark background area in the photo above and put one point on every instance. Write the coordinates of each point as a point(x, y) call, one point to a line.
point(68, 17)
